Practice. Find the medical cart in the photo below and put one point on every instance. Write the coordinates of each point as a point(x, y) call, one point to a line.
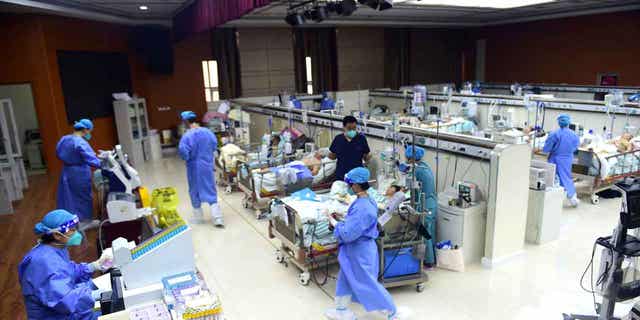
point(401, 250)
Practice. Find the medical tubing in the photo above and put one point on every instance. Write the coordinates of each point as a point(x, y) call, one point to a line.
point(313, 261)
point(455, 170)
point(100, 234)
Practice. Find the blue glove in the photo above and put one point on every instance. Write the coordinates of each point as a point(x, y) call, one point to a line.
point(404, 168)
point(95, 294)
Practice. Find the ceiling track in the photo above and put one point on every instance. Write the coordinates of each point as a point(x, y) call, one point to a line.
point(255, 20)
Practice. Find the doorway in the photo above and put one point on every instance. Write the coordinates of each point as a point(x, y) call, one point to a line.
point(26, 120)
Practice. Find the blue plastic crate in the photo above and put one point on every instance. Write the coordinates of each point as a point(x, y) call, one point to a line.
point(400, 262)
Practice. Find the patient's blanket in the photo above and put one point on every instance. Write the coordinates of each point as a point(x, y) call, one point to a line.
point(285, 175)
point(230, 154)
point(315, 225)
point(327, 170)
point(607, 164)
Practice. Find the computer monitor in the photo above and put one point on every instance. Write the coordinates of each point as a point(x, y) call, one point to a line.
point(434, 110)
point(630, 188)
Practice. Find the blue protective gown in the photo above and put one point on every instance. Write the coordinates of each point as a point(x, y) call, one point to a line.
point(425, 176)
point(196, 148)
point(54, 287)
point(358, 258)
point(560, 145)
point(327, 104)
point(74, 189)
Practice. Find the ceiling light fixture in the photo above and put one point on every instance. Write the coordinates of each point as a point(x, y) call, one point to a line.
point(294, 19)
point(378, 4)
point(346, 7)
point(319, 13)
point(143, 8)
point(301, 11)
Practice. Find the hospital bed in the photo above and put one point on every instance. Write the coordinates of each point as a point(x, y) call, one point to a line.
point(598, 171)
point(226, 165)
point(296, 225)
point(260, 184)
point(306, 241)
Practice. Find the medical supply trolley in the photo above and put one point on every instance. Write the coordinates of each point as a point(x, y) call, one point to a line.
point(401, 249)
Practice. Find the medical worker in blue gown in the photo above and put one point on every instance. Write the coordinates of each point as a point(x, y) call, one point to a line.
point(294, 102)
point(561, 145)
point(197, 147)
point(358, 254)
point(327, 103)
point(53, 286)
point(424, 175)
point(74, 189)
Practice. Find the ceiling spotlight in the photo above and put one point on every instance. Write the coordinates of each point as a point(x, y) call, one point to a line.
point(346, 7)
point(143, 8)
point(319, 13)
point(378, 4)
point(385, 4)
point(371, 3)
point(294, 19)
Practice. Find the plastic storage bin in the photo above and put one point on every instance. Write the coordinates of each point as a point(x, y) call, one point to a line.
point(400, 262)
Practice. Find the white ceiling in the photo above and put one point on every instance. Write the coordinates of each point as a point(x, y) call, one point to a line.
point(402, 14)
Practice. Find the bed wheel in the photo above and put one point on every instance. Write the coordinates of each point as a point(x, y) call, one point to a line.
point(245, 203)
point(227, 189)
point(279, 256)
point(304, 278)
point(595, 199)
point(420, 287)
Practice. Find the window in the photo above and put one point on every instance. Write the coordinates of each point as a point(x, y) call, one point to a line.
point(210, 75)
point(307, 61)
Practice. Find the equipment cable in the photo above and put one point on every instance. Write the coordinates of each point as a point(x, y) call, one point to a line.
point(402, 244)
point(314, 262)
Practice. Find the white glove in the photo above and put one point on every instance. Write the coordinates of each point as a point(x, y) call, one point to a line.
point(105, 262)
point(332, 221)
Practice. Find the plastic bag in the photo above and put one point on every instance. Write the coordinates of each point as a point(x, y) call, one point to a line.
point(339, 188)
point(450, 259)
point(165, 201)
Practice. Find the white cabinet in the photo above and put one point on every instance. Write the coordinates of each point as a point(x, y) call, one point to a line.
point(11, 152)
point(544, 215)
point(133, 128)
point(465, 227)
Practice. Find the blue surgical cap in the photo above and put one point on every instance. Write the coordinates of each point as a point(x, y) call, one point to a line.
point(564, 120)
point(413, 152)
point(188, 115)
point(60, 219)
point(357, 175)
point(83, 124)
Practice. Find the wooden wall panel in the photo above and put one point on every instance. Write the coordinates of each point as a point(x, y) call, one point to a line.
point(360, 58)
point(569, 50)
point(182, 90)
point(266, 61)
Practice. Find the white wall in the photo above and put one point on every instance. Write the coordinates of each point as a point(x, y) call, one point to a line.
point(23, 106)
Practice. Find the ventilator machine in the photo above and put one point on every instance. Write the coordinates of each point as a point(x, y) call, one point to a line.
point(121, 205)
